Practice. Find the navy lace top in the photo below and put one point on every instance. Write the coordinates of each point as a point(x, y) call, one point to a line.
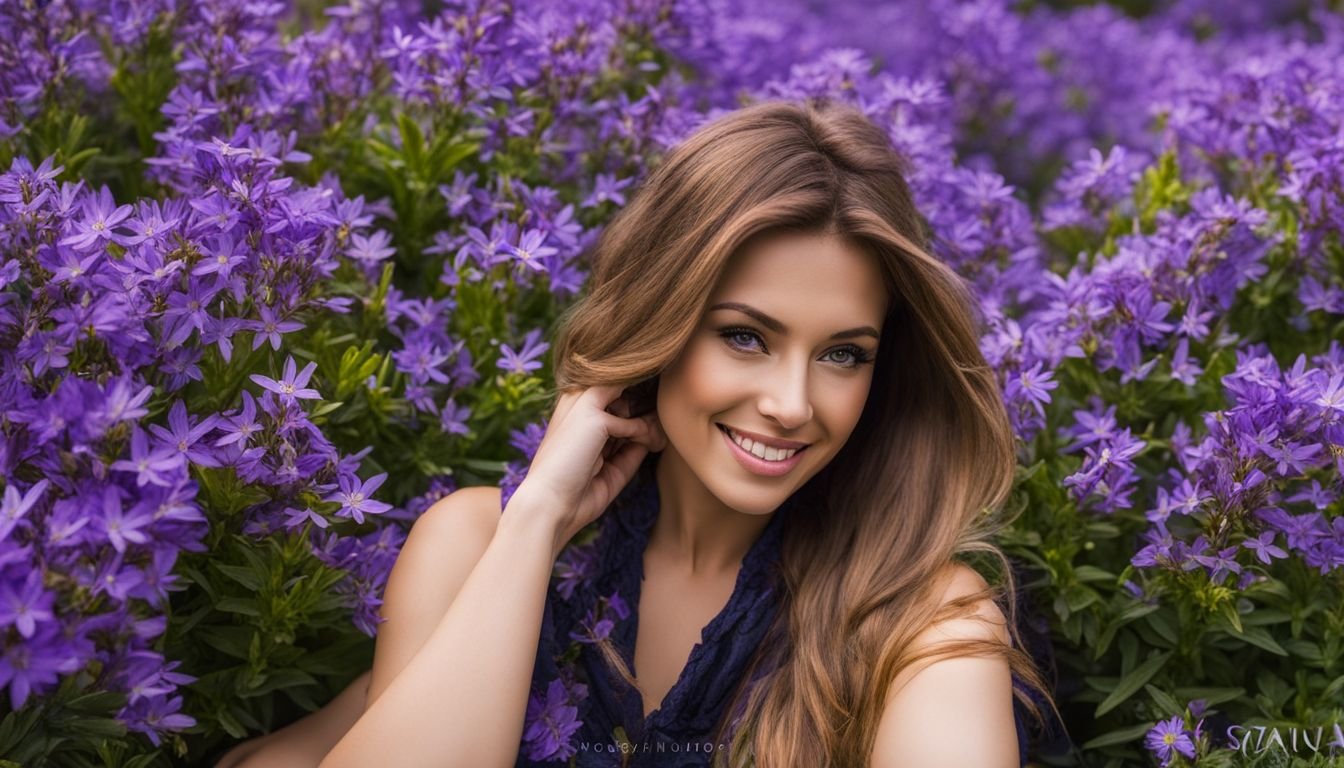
point(582, 715)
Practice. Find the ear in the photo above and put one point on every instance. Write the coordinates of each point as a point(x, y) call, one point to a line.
point(643, 397)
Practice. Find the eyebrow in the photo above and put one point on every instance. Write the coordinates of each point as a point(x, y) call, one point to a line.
point(778, 327)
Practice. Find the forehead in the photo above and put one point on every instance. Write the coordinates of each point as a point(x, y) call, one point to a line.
point(806, 274)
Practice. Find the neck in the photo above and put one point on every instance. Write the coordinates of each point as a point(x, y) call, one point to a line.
point(696, 534)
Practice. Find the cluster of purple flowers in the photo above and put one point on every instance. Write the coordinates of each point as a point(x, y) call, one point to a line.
point(1250, 470)
point(114, 310)
point(1147, 209)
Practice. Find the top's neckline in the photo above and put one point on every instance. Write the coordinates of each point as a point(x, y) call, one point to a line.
point(751, 586)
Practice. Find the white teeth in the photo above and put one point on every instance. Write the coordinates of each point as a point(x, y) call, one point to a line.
point(759, 450)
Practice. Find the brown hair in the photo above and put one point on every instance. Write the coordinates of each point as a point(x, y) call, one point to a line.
point(926, 470)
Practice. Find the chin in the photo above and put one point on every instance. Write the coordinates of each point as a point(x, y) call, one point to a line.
point(755, 495)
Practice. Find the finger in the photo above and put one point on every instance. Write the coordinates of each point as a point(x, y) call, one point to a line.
point(617, 472)
point(651, 435)
point(631, 428)
point(604, 394)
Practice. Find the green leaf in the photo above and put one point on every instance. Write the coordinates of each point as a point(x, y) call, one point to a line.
point(1132, 682)
point(284, 679)
point(233, 641)
point(1078, 597)
point(1088, 573)
point(1263, 616)
point(101, 701)
point(231, 725)
point(1333, 691)
point(383, 150)
point(447, 155)
point(239, 605)
point(1102, 530)
point(1118, 737)
point(325, 408)
point(1260, 638)
point(99, 727)
point(1160, 621)
point(481, 465)
point(1164, 701)
point(1129, 614)
point(16, 726)
point(1307, 651)
point(1214, 696)
point(245, 576)
point(412, 144)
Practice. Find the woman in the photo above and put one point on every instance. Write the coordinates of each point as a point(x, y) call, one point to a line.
point(768, 285)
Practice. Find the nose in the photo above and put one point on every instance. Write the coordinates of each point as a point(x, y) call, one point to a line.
point(784, 398)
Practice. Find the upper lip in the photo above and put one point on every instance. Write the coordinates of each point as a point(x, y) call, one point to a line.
point(772, 442)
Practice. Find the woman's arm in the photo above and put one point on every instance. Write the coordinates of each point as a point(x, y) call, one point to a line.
point(462, 699)
point(444, 546)
point(955, 711)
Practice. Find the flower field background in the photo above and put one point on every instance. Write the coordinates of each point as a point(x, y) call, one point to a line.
point(276, 276)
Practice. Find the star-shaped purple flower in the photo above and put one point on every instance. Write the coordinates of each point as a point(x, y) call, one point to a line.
point(291, 387)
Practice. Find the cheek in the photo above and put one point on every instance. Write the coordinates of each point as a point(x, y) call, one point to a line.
point(701, 380)
point(845, 405)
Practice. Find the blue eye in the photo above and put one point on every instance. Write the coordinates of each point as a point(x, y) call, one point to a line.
point(734, 333)
point(858, 355)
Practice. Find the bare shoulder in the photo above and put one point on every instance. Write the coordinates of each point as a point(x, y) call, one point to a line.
point(474, 509)
point(445, 543)
point(988, 622)
point(956, 710)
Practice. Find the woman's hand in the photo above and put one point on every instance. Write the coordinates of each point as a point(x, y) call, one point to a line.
point(588, 455)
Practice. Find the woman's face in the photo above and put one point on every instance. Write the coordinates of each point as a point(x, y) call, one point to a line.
point(785, 351)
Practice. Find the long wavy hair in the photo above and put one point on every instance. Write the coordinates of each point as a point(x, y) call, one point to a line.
point(922, 479)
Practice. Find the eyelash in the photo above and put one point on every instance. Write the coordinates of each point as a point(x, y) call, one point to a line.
point(860, 355)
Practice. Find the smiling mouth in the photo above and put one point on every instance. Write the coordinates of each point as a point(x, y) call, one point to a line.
point(778, 452)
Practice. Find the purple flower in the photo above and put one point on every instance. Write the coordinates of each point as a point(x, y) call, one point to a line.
point(356, 497)
point(524, 360)
point(119, 526)
point(35, 665)
point(453, 418)
point(1167, 738)
point(607, 188)
point(371, 249)
point(1159, 550)
point(530, 250)
point(290, 387)
point(1091, 426)
point(551, 720)
point(27, 605)
point(1184, 368)
point(1332, 395)
point(159, 466)
point(240, 427)
point(598, 623)
point(423, 360)
point(269, 328)
point(1220, 564)
point(101, 214)
point(1032, 386)
point(123, 401)
point(182, 437)
point(574, 566)
point(1263, 546)
point(296, 517)
point(13, 506)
